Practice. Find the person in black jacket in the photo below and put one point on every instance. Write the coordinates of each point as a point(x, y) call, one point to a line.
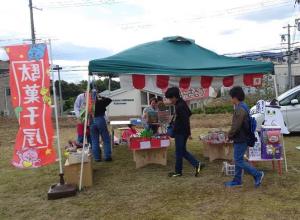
point(182, 132)
point(99, 127)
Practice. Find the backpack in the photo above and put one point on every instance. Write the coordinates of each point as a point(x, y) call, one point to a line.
point(252, 126)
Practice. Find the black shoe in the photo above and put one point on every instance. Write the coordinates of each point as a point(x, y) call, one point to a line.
point(199, 168)
point(98, 160)
point(173, 174)
point(108, 159)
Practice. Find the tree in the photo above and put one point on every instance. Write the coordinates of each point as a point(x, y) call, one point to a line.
point(71, 90)
point(68, 89)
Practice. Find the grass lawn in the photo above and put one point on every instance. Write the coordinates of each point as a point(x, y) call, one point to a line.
point(122, 192)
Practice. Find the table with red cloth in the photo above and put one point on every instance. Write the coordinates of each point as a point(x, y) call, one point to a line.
point(149, 150)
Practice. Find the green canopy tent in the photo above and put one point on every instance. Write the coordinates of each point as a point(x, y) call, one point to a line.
point(177, 61)
point(176, 56)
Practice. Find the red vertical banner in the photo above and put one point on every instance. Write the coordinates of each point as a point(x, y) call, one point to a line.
point(30, 93)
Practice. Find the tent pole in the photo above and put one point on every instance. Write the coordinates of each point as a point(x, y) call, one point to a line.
point(284, 154)
point(109, 89)
point(112, 138)
point(84, 131)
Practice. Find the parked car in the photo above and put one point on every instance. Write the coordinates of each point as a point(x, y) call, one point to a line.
point(71, 114)
point(290, 107)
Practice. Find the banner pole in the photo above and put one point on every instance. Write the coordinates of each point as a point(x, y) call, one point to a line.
point(275, 85)
point(56, 114)
point(59, 190)
point(84, 131)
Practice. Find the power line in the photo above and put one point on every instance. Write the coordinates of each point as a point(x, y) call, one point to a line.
point(80, 3)
point(231, 11)
point(258, 51)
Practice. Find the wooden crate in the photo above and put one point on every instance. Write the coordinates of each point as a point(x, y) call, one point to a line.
point(72, 173)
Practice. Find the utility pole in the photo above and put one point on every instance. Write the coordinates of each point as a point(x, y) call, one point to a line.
point(32, 22)
point(58, 68)
point(289, 57)
point(289, 54)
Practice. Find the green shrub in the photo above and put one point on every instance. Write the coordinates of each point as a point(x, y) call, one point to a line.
point(214, 109)
point(197, 111)
point(69, 103)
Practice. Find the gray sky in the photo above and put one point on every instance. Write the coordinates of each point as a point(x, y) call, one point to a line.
point(82, 33)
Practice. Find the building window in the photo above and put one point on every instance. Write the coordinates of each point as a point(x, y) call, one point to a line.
point(144, 100)
point(7, 91)
point(194, 106)
point(151, 96)
point(297, 80)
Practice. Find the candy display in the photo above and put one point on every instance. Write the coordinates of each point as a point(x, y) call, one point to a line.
point(73, 152)
point(150, 145)
point(270, 142)
point(268, 145)
point(214, 137)
point(271, 151)
point(161, 106)
point(163, 117)
point(271, 136)
point(255, 151)
point(217, 146)
point(140, 143)
point(75, 157)
point(135, 121)
point(149, 148)
point(147, 133)
point(152, 117)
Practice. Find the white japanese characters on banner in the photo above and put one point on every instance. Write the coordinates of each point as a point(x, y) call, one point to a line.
point(192, 93)
point(30, 83)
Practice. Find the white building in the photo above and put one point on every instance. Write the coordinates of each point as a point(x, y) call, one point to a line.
point(128, 103)
point(6, 108)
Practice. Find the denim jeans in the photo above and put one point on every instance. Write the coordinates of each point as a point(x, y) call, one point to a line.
point(99, 127)
point(80, 139)
point(181, 152)
point(240, 163)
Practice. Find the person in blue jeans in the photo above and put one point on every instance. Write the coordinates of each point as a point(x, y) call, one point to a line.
point(239, 133)
point(182, 131)
point(99, 128)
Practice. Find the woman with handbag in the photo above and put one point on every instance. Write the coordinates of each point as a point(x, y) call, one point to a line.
point(180, 129)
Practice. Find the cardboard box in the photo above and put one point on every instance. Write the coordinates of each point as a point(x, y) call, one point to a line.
point(75, 157)
point(72, 173)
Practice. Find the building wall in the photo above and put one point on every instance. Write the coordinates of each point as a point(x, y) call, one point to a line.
point(5, 102)
point(125, 104)
point(281, 72)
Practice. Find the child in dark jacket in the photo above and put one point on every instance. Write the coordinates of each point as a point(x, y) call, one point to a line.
point(239, 133)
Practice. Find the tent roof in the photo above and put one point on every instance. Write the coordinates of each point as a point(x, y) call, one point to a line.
point(175, 56)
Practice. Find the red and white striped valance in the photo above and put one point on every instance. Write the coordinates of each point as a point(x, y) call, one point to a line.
point(162, 82)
